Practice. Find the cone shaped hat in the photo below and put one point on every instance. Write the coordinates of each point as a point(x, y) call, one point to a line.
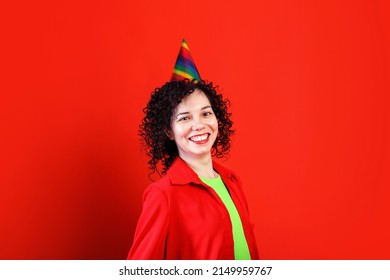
point(185, 66)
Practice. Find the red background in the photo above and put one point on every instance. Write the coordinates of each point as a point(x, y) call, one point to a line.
point(309, 86)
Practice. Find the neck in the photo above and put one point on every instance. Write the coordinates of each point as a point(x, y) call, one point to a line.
point(202, 166)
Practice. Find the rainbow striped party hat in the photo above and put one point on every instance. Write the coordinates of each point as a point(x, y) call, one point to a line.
point(185, 66)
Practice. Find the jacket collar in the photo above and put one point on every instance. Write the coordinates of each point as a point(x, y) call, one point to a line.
point(181, 174)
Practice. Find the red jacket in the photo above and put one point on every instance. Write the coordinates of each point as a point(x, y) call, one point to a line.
point(183, 218)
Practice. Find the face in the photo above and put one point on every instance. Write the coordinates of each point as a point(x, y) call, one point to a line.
point(194, 126)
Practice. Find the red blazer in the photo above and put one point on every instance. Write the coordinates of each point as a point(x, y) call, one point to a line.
point(183, 218)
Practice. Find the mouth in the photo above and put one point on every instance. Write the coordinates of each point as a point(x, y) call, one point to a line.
point(200, 139)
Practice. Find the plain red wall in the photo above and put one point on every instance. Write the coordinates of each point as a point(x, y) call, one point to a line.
point(309, 86)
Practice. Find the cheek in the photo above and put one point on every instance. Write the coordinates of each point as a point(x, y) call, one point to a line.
point(212, 122)
point(180, 131)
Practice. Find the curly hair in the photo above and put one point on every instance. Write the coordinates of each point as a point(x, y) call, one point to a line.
point(158, 115)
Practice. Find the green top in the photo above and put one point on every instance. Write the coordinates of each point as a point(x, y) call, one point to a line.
point(241, 250)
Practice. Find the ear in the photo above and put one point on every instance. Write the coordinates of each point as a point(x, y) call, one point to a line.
point(169, 134)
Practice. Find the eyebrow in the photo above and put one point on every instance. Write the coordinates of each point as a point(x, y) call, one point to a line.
point(185, 113)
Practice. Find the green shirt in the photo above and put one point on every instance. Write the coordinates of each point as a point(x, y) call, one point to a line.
point(241, 250)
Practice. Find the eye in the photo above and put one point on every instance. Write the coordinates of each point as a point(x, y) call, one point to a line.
point(183, 119)
point(208, 113)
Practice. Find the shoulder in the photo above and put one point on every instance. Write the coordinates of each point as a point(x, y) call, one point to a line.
point(161, 185)
point(164, 187)
point(226, 172)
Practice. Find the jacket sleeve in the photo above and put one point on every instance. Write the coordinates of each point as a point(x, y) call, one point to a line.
point(150, 234)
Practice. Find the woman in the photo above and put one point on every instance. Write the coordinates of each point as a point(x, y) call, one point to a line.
point(198, 209)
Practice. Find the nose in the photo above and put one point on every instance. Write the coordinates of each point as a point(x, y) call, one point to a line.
point(197, 124)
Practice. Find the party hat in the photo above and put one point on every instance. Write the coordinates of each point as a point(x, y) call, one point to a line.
point(185, 66)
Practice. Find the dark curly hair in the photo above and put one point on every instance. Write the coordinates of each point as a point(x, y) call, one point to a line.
point(157, 121)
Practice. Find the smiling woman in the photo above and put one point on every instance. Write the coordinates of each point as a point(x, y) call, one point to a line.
point(187, 106)
point(194, 129)
point(198, 209)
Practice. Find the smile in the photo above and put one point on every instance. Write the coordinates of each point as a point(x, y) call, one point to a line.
point(199, 138)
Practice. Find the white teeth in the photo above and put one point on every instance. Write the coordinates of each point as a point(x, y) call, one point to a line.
point(199, 138)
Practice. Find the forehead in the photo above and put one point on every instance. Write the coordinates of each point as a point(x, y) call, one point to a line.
point(194, 101)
